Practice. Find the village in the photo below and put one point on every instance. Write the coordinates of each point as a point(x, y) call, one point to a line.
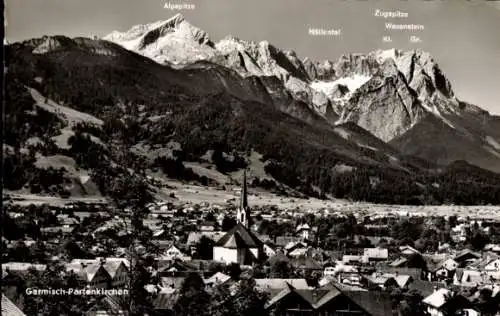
point(323, 263)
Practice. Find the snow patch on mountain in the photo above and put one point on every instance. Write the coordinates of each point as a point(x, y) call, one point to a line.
point(434, 110)
point(382, 55)
point(386, 92)
point(329, 87)
point(492, 142)
point(230, 44)
point(343, 133)
point(131, 39)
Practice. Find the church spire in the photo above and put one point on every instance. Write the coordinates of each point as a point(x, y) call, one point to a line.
point(243, 197)
point(243, 214)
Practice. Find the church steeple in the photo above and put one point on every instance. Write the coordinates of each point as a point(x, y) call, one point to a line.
point(243, 214)
point(243, 197)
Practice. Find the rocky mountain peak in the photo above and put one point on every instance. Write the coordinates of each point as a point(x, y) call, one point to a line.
point(176, 19)
point(382, 55)
point(46, 45)
point(361, 88)
point(230, 44)
point(171, 41)
point(388, 68)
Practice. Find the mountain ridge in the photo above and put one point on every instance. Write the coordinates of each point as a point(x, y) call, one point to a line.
point(339, 91)
point(205, 107)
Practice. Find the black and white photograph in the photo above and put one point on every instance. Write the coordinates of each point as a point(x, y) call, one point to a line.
point(253, 158)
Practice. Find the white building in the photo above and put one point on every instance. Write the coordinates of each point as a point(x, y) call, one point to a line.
point(173, 253)
point(303, 231)
point(240, 245)
point(443, 300)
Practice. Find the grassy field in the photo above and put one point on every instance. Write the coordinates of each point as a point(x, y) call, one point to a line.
point(193, 194)
point(198, 194)
point(27, 199)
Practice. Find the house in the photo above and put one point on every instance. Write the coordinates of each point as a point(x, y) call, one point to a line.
point(329, 269)
point(179, 268)
point(444, 269)
point(459, 233)
point(496, 249)
point(416, 273)
point(346, 268)
point(403, 281)
point(280, 284)
point(375, 254)
point(94, 274)
point(120, 225)
point(458, 276)
point(471, 277)
point(164, 303)
point(265, 239)
point(408, 250)
point(170, 284)
point(449, 264)
point(412, 261)
point(67, 221)
point(466, 257)
point(173, 253)
point(118, 271)
point(152, 223)
point(57, 230)
point(350, 278)
point(444, 302)
point(385, 280)
point(349, 259)
point(269, 250)
point(217, 279)
point(283, 241)
point(161, 234)
point(381, 280)
point(108, 305)
point(279, 256)
point(207, 226)
point(327, 301)
point(444, 246)
point(22, 267)
point(425, 288)
point(117, 268)
point(303, 231)
point(296, 250)
point(306, 265)
point(195, 237)
point(9, 308)
point(489, 264)
point(296, 247)
point(478, 272)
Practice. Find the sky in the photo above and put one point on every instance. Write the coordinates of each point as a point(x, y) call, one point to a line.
point(462, 35)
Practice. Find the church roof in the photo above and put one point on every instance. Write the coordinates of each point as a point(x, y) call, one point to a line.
point(235, 241)
point(239, 237)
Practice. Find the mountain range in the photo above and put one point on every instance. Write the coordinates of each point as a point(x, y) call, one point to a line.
point(384, 126)
point(400, 97)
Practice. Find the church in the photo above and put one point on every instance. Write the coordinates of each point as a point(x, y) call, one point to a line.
point(240, 245)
